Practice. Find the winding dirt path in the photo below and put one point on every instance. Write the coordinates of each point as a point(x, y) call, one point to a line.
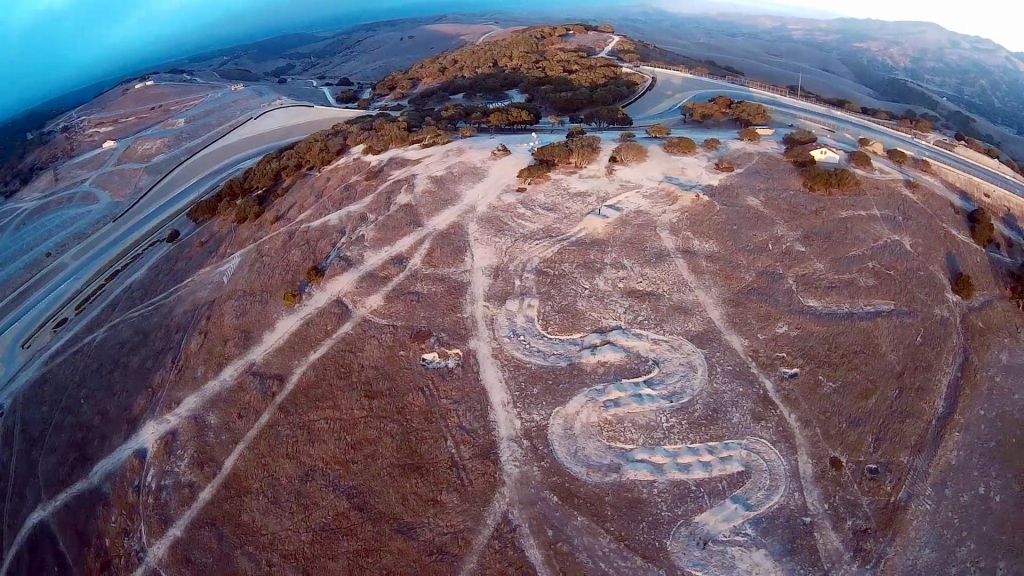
point(678, 373)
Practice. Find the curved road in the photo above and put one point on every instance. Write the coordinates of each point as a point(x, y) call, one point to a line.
point(25, 313)
point(673, 89)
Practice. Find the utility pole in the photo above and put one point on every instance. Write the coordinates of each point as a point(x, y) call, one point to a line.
point(799, 84)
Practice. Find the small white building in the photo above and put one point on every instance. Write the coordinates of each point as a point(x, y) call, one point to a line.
point(825, 155)
point(109, 144)
point(143, 84)
point(764, 130)
point(237, 87)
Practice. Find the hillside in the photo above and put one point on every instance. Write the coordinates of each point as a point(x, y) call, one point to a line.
point(859, 60)
point(452, 336)
point(405, 363)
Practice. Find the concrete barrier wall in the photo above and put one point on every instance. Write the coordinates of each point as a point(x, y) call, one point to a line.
point(994, 198)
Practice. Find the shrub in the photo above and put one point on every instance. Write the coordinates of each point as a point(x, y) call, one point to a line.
point(577, 152)
point(347, 97)
point(432, 136)
point(575, 132)
point(535, 173)
point(749, 135)
point(514, 116)
point(799, 138)
point(607, 116)
point(627, 137)
point(711, 144)
point(467, 132)
point(629, 153)
point(501, 151)
point(724, 166)
point(750, 114)
point(859, 159)
point(963, 286)
point(292, 299)
point(364, 104)
point(314, 275)
point(172, 236)
point(680, 146)
point(922, 164)
point(659, 131)
point(982, 230)
point(922, 125)
point(897, 156)
point(864, 142)
point(817, 179)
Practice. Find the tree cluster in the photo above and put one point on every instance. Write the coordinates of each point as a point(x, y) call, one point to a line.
point(535, 61)
point(607, 116)
point(578, 152)
point(722, 108)
point(828, 181)
point(246, 197)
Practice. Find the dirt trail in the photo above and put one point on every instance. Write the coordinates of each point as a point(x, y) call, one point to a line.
point(830, 548)
point(500, 174)
point(678, 373)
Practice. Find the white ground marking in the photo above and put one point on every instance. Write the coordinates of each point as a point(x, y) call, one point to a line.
point(500, 174)
point(495, 512)
point(679, 372)
point(832, 552)
point(505, 420)
point(158, 549)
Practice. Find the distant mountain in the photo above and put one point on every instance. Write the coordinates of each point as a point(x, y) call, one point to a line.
point(871, 62)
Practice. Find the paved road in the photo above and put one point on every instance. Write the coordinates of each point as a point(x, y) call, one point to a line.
point(675, 88)
point(31, 308)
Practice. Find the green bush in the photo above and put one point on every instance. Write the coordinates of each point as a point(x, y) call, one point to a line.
point(799, 138)
point(577, 152)
point(859, 159)
point(711, 144)
point(817, 179)
point(897, 156)
point(983, 231)
point(963, 286)
point(680, 146)
point(659, 131)
point(607, 116)
point(629, 153)
point(535, 173)
point(749, 135)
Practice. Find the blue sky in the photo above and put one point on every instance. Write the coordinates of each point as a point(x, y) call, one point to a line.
point(49, 47)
